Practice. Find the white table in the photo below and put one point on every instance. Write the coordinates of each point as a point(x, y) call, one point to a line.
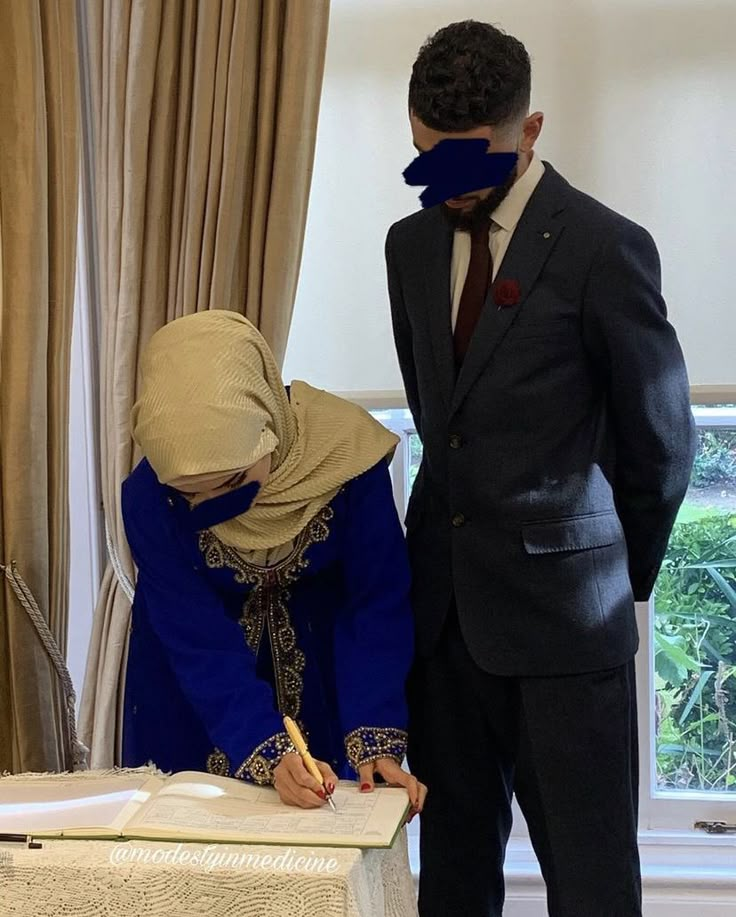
point(69, 878)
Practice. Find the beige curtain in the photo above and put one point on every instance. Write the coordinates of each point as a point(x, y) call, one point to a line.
point(204, 118)
point(39, 114)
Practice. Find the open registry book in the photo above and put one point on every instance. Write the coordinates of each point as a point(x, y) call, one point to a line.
point(194, 806)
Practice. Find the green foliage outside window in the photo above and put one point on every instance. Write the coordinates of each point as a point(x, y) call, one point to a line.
point(695, 662)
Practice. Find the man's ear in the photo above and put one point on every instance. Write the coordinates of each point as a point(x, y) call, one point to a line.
point(530, 130)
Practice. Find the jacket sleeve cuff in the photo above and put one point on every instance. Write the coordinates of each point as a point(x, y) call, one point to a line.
point(259, 766)
point(369, 743)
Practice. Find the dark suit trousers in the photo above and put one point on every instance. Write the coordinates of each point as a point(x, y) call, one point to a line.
point(566, 745)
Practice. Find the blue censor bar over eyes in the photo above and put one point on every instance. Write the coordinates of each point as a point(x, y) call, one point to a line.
point(458, 166)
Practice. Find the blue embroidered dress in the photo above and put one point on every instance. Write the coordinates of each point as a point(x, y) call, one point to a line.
point(221, 649)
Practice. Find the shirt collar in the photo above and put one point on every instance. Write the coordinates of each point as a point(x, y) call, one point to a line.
point(509, 211)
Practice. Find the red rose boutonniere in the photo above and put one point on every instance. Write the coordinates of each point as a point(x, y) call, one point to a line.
point(506, 293)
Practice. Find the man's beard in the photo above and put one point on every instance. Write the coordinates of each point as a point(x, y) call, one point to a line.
point(481, 212)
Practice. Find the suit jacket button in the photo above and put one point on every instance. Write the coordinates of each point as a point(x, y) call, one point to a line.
point(170, 501)
point(458, 520)
point(456, 441)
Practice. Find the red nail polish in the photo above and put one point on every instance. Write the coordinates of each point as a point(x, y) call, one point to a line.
point(331, 788)
point(321, 794)
point(364, 787)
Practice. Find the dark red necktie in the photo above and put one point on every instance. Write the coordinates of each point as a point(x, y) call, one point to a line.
point(474, 291)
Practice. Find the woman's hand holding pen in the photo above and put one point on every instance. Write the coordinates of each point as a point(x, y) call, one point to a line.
point(297, 787)
point(394, 775)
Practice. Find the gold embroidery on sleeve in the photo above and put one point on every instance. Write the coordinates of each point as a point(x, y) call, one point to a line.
point(218, 763)
point(369, 743)
point(258, 767)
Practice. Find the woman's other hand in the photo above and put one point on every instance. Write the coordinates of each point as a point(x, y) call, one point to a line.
point(394, 775)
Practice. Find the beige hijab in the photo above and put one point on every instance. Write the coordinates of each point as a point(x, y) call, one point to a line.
point(212, 400)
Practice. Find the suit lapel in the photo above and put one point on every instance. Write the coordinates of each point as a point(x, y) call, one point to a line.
point(530, 246)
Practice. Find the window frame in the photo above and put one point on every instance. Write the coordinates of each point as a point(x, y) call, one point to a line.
point(674, 812)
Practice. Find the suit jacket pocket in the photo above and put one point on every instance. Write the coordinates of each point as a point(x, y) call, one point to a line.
point(575, 533)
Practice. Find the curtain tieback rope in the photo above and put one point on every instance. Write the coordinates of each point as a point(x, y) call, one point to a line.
point(80, 752)
point(125, 584)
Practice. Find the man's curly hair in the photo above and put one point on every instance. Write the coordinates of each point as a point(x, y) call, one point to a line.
point(470, 74)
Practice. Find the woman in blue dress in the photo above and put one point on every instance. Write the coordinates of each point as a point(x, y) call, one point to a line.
point(273, 576)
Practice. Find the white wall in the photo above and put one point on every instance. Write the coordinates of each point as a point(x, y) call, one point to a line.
point(639, 100)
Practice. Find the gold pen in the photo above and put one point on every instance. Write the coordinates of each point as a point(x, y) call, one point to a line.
point(309, 762)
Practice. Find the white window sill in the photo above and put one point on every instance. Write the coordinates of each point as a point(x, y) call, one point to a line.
point(685, 861)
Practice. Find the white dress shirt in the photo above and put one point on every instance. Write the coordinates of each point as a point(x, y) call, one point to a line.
point(503, 223)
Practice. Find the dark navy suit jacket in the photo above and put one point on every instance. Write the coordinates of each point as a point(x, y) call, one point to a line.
point(555, 463)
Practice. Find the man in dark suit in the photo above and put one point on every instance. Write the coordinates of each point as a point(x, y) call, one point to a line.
point(552, 401)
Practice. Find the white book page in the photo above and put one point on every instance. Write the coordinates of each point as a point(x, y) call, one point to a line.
point(207, 807)
point(57, 806)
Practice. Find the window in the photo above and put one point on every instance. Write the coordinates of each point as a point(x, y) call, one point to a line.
point(695, 622)
point(87, 553)
point(408, 454)
point(690, 641)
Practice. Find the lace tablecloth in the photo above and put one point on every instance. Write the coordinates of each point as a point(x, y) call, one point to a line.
point(78, 879)
point(75, 878)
